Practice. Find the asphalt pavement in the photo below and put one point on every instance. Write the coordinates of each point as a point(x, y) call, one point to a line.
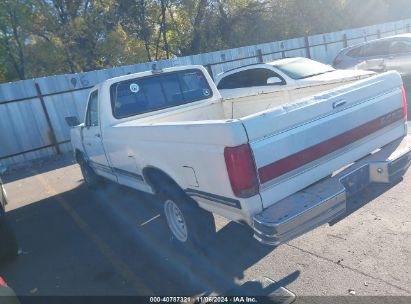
point(113, 241)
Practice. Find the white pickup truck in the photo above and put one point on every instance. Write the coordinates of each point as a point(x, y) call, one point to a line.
point(282, 165)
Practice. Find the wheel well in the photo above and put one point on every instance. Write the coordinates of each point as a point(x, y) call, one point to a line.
point(158, 179)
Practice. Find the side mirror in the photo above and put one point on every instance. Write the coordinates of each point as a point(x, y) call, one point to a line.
point(72, 121)
point(274, 80)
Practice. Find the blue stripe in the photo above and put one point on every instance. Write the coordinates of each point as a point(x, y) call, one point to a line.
point(115, 171)
point(128, 173)
point(215, 198)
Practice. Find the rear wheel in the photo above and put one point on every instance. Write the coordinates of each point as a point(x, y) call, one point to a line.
point(90, 177)
point(191, 228)
point(175, 221)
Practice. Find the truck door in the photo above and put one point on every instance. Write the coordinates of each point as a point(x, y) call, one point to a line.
point(92, 139)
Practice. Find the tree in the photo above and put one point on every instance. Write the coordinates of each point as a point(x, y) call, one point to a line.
point(78, 26)
point(46, 37)
point(15, 18)
point(137, 18)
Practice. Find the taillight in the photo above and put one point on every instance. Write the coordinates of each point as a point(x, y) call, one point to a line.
point(404, 101)
point(241, 170)
point(2, 282)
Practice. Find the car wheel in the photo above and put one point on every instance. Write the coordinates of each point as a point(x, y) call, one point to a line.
point(191, 228)
point(8, 243)
point(90, 177)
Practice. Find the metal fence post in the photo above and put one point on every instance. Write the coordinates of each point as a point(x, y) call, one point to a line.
point(345, 41)
point(408, 28)
point(307, 47)
point(378, 33)
point(51, 133)
point(260, 56)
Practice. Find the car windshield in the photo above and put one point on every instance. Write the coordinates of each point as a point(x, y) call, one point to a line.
point(303, 68)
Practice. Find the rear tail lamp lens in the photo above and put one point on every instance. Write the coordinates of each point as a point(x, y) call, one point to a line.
point(241, 170)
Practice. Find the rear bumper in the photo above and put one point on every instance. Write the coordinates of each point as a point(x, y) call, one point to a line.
point(324, 201)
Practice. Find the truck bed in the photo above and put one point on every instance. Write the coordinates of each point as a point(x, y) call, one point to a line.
point(242, 107)
point(236, 108)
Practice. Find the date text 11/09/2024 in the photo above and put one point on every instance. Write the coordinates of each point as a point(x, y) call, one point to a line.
point(205, 299)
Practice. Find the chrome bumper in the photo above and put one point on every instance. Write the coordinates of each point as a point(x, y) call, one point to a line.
point(325, 200)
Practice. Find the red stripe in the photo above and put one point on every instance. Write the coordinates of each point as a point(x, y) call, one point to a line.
point(317, 151)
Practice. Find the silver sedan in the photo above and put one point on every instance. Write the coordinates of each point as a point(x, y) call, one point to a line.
point(390, 53)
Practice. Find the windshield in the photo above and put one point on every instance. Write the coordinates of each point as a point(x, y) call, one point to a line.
point(303, 68)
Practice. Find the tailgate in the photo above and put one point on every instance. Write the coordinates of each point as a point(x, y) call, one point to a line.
point(301, 143)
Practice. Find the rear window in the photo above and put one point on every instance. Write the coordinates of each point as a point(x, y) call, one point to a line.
point(355, 52)
point(378, 48)
point(371, 49)
point(141, 95)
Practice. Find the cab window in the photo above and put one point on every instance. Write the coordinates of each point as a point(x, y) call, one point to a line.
point(147, 94)
point(92, 110)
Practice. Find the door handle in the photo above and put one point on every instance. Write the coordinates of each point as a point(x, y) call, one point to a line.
point(97, 135)
point(339, 103)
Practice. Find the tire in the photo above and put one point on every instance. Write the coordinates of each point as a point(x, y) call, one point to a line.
point(8, 242)
point(191, 228)
point(90, 177)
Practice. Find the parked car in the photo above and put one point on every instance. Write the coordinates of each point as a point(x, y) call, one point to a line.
point(390, 53)
point(269, 163)
point(8, 242)
point(288, 73)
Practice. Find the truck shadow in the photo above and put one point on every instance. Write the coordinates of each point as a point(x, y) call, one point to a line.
point(84, 242)
point(38, 166)
point(359, 200)
point(113, 242)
